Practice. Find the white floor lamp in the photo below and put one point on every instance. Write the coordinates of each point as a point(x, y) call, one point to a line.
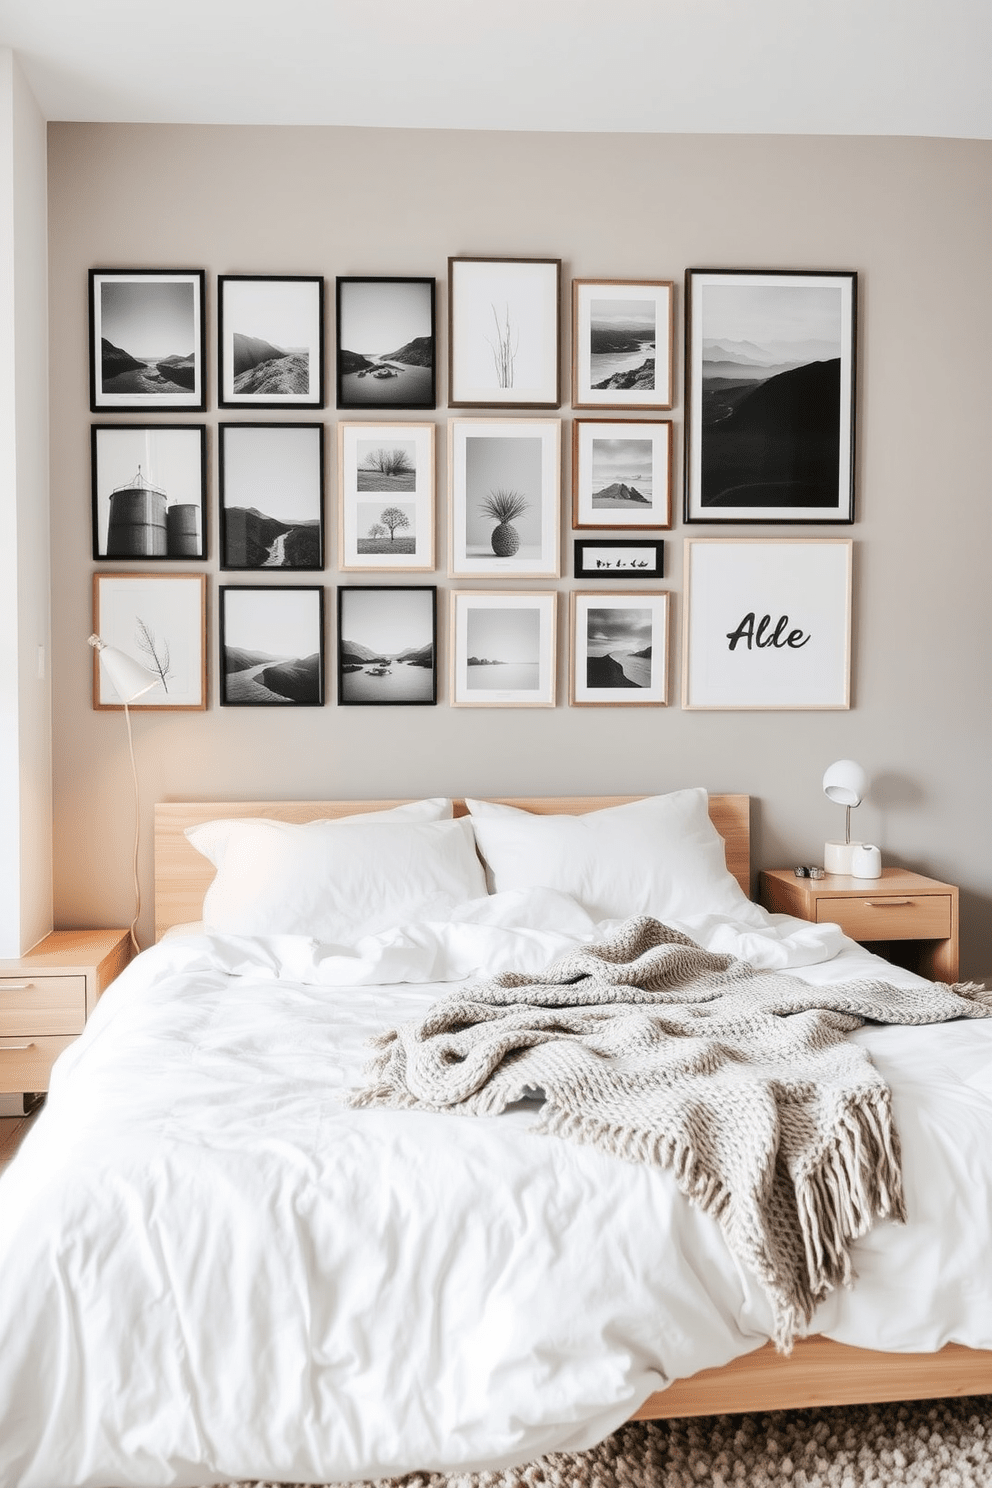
point(130, 681)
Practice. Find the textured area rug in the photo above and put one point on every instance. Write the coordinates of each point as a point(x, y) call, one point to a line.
point(940, 1444)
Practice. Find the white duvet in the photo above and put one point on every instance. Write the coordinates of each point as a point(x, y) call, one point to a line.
point(211, 1268)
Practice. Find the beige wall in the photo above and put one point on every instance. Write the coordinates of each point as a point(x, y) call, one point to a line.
point(25, 697)
point(912, 216)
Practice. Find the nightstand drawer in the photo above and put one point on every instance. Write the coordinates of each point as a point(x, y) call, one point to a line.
point(42, 1004)
point(901, 917)
point(26, 1063)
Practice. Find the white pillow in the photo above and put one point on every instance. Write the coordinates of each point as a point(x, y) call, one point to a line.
point(661, 856)
point(335, 881)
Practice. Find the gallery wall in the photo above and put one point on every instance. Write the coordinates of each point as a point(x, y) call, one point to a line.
point(913, 217)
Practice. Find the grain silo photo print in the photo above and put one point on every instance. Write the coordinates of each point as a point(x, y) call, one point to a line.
point(149, 491)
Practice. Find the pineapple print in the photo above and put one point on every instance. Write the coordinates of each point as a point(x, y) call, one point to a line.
point(504, 507)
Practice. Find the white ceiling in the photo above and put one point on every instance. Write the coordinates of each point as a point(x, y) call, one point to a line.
point(712, 66)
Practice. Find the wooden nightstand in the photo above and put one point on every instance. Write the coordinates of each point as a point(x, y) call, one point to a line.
point(46, 997)
point(903, 916)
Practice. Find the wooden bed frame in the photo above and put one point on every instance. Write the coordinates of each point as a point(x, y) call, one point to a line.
point(818, 1371)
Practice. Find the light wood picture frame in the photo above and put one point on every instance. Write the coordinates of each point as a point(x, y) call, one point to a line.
point(618, 645)
point(770, 389)
point(504, 498)
point(623, 343)
point(160, 621)
point(622, 473)
point(503, 648)
point(504, 332)
point(767, 623)
point(386, 497)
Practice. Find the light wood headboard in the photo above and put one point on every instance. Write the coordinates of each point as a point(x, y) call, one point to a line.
point(182, 875)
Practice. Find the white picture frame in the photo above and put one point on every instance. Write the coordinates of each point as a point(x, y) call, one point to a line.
point(504, 317)
point(492, 462)
point(160, 621)
point(767, 623)
point(622, 474)
point(503, 649)
point(622, 343)
point(618, 648)
point(401, 481)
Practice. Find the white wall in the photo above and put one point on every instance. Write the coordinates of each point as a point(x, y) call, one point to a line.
point(914, 217)
point(25, 698)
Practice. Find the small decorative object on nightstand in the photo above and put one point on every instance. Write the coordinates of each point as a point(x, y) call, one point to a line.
point(903, 916)
point(846, 783)
point(46, 997)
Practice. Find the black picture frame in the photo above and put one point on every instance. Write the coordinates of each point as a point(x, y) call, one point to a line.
point(261, 465)
point(148, 492)
point(270, 340)
point(266, 636)
point(646, 560)
point(383, 659)
point(147, 340)
point(384, 310)
point(771, 391)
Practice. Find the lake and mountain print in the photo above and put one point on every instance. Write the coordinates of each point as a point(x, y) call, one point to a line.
point(271, 496)
point(504, 649)
point(387, 645)
point(147, 340)
point(385, 343)
point(272, 646)
point(618, 647)
point(622, 474)
point(775, 397)
point(622, 337)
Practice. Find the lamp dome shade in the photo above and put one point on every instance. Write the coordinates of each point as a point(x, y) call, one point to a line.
point(130, 679)
point(845, 782)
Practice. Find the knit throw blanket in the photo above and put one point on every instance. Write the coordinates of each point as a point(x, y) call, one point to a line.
point(740, 1081)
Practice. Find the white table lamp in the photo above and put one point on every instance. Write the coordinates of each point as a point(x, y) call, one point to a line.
point(131, 680)
point(846, 783)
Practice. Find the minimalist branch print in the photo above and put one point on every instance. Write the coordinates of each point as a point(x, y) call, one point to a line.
point(504, 348)
point(156, 653)
point(159, 621)
point(503, 343)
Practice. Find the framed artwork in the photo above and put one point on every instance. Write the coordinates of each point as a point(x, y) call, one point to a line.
point(387, 340)
point(621, 473)
point(271, 496)
point(767, 623)
point(386, 497)
point(622, 343)
point(770, 396)
point(270, 340)
point(149, 491)
point(504, 482)
point(147, 340)
point(160, 621)
point(619, 558)
point(503, 649)
point(504, 332)
point(387, 644)
point(271, 646)
point(619, 649)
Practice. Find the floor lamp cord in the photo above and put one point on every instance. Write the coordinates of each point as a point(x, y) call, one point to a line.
point(137, 828)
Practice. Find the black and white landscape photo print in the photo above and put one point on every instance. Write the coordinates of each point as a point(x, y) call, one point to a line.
point(504, 482)
point(770, 395)
point(767, 623)
point(387, 645)
point(270, 340)
point(149, 491)
point(619, 649)
point(504, 331)
point(386, 343)
point(386, 497)
point(622, 343)
point(621, 473)
point(159, 620)
point(147, 340)
point(271, 496)
point(503, 649)
point(271, 646)
point(619, 558)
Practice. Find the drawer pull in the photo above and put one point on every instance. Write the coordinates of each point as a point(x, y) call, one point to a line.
point(884, 903)
point(16, 986)
point(11, 1048)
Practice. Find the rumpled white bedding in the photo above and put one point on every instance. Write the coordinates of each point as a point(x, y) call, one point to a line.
point(210, 1268)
